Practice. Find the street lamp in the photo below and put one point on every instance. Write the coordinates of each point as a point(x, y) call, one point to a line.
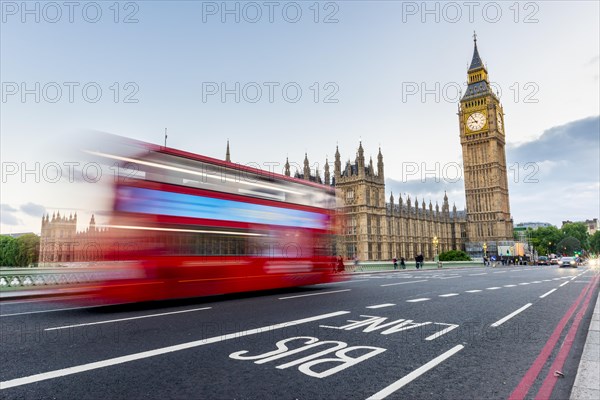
point(435, 246)
point(484, 252)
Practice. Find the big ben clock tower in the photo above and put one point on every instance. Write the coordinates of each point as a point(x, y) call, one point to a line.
point(482, 139)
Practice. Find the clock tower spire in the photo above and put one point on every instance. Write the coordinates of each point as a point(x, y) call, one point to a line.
point(484, 159)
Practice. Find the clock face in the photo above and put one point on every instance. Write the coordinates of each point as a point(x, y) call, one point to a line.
point(476, 121)
point(499, 121)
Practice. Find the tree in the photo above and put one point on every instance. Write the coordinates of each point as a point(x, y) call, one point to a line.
point(595, 242)
point(28, 249)
point(8, 251)
point(579, 231)
point(568, 245)
point(454, 255)
point(19, 252)
point(544, 240)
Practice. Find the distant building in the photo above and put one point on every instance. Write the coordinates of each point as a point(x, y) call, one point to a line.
point(532, 225)
point(374, 229)
point(592, 224)
point(60, 241)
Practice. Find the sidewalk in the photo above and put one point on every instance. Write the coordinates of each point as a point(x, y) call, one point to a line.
point(587, 381)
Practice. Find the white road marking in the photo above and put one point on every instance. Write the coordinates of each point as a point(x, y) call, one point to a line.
point(45, 311)
point(164, 350)
point(314, 294)
point(575, 277)
point(547, 293)
point(509, 316)
point(500, 272)
point(473, 291)
point(524, 283)
point(442, 332)
point(382, 305)
point(402, 283)
point(510, 285)
point(483, 273)
point(547, 280)
point(494, 288)
point(383, 393)
point(350, 281)
point(563, 284)
point(448, 295)
point(452, 277)
point(127, 319)
point(536, 282)
point(418, 300)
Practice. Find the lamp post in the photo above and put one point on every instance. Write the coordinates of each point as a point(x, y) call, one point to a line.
point(435, 247)
point(484, 252)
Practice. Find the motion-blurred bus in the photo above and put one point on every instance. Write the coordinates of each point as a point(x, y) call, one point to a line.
point(188, 225)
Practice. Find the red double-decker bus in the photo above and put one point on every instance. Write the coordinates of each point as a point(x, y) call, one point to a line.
point(188, 225)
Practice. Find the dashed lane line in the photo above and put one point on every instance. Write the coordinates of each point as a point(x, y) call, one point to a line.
point(547, 293)
point(46, 311)
point(448, 295)
point(381, 305)
point(483, 273)
point(385, 392)
point(473, 291)
point(314, 294)
point(500, 272)
point(127, 319)
point(509, 316)
point(563, 284)
point(418, 300)
point(510, 285)
point(493, 288)
point(402, 283)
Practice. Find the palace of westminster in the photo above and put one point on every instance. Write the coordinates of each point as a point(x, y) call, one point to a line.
point(378, 230)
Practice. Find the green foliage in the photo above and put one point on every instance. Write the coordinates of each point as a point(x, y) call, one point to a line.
point(568, 245)
point(19, 252)
point(545, 239)
point(8, 251)
point(578, 230)
point(595, 242)
point(454, 255)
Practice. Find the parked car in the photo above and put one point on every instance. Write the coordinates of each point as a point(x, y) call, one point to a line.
point(567, 262)
point(542, 260)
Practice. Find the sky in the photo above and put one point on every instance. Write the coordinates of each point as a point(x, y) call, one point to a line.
point(285, 79)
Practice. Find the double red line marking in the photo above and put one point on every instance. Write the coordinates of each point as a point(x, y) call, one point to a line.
point(530, 376)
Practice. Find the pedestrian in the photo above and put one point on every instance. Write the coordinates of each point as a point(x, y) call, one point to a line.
point(485, 261)
point(355, 263)
point(395, 260)
point(340, 268)
point(402, 263)
point(417, 261)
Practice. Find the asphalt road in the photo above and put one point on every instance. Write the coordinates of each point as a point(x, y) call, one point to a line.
point(483, 333)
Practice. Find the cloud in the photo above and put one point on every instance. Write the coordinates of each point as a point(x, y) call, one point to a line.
point(7, 215)
point(555, 177)
point(33, 210)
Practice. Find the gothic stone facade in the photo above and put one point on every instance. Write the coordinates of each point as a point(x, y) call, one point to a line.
point(482, 136)
point(61, 243)
point(374, 229)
